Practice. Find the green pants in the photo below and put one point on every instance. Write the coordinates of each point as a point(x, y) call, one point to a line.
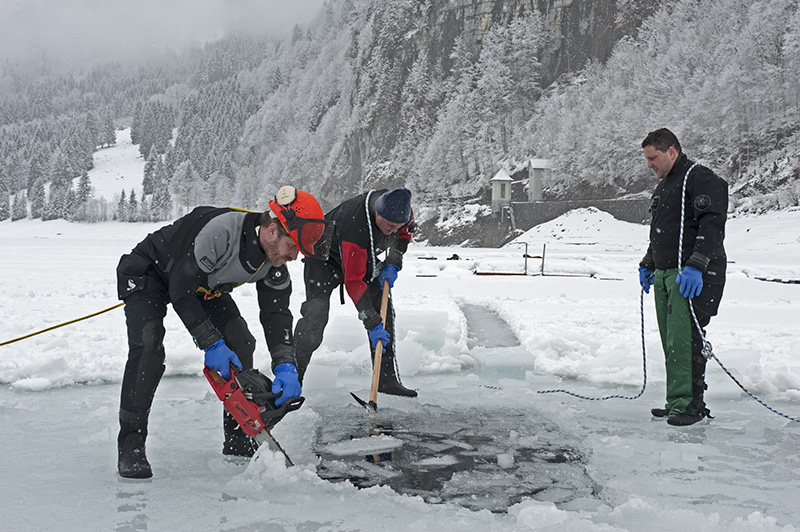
point(675, 325)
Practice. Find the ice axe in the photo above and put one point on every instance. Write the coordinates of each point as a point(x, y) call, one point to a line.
point(372, 405)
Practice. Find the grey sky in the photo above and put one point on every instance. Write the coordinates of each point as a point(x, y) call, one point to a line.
point(85, 30)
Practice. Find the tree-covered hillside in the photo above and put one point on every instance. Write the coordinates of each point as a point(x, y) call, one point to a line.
point(435, 95)
point(724, 75)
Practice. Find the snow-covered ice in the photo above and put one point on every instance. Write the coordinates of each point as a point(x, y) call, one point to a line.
point(477, 348)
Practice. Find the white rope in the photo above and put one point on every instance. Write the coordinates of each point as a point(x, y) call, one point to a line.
point(708, 351)
point(375, 271)
point(375, 274)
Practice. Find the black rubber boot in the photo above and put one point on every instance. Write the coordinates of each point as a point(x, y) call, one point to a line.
point(690, 417)
point(389, 382)
point(659, 412)
point(131, 459)
point(237, 441)
point(392, 386)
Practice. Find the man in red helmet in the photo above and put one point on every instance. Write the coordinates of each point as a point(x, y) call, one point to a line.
point(195, 263)
point(365, 227)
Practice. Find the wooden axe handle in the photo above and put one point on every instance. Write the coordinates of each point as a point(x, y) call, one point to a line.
point(376, 365)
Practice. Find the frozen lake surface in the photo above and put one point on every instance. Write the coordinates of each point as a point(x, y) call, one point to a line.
point(479, 449)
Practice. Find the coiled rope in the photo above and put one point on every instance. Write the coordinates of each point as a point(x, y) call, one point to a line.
point(644, 370)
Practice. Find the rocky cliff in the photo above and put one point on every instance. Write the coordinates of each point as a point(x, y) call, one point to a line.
point(576, 32)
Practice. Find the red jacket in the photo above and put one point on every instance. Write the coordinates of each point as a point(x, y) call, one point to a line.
point(350, 247)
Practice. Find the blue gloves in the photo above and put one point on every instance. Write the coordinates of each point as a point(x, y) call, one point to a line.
point(286, 381)
point(646, 279)
point(388, 273)
point(219, 357)
point(691, 281)
point(378, 333)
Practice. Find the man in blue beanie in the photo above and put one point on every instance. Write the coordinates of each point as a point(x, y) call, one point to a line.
point(365, 227)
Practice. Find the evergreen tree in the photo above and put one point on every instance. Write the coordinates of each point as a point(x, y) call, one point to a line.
point(4, 180)
point(83, 196)
point(149, 168)
point(36, 195)
point(84, 188)
point(70, 205)
point(5, 207)
point(220, 189)
point(277, 79)
point(161, 204)
point(494, 92)
point(59, 173)
point(79, 148)
point(93, 128)
point(38, 170)
point(107, 135)
point(154, 127)
point(164, 125)
point(297, 34)
point(122, 207)
point(136, 124)
point(56, 205)
point(20, 210)
point(186, 187)
point(416, 119)
point(169, 163)
point(145, 129)
point(17, 173)
point(133, 207)
point(145, 211)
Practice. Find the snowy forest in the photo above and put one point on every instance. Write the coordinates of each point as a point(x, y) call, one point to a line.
point(434, 95)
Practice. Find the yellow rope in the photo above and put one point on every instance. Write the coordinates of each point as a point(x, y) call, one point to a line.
point(61, 325)
point(201, 289)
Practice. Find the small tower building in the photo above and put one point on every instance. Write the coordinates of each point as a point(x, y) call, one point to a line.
point(501, 191)
point(536, 170)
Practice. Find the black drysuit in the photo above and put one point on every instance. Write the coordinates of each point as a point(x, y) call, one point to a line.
point(353, 264)
point(705, 212)
point(194, 264)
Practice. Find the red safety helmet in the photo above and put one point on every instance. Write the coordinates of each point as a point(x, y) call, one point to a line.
point(302, 217)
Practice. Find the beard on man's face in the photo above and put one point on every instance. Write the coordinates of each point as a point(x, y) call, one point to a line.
point(272, 249)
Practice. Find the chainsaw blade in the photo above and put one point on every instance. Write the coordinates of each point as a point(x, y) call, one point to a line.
point(265, 437)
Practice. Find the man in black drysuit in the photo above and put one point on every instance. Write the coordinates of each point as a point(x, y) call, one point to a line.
point(194, 264)
point(698, 280)
point(364, 227)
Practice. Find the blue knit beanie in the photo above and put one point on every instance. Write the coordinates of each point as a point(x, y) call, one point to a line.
point(395, 205)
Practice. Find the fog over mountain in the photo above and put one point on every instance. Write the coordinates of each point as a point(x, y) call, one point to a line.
point(80, 31)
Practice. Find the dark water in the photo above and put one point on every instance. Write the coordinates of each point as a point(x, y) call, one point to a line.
point(480, 459)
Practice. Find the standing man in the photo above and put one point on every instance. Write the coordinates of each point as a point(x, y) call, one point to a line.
point(364, 227)
point(697, 280)
point(194, 264)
